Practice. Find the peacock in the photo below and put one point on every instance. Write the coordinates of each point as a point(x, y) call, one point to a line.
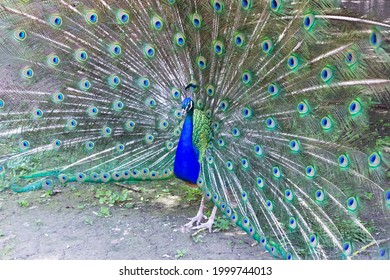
point(277, 110)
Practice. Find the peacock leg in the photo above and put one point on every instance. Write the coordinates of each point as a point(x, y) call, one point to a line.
point(210, 222)
point(199, 216)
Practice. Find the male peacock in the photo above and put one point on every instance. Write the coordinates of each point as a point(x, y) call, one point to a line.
point(278, 129)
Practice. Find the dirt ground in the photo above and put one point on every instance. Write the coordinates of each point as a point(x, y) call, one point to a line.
point(78, 223)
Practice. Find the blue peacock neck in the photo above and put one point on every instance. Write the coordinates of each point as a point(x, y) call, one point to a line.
point(186, 166)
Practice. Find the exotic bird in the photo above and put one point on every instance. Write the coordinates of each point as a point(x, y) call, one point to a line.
point(276, 109)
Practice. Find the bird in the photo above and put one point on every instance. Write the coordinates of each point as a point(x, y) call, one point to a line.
point(277, 110)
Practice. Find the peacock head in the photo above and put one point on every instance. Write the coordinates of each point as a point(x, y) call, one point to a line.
point(187, 105)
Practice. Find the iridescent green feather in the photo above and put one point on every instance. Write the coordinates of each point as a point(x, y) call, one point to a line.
point(201, 132)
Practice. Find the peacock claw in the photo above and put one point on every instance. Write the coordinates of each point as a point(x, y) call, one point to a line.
point(199, 216)
point(209, 224)
point(197, 219)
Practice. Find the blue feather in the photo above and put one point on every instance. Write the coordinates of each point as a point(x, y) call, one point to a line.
point(186, 165)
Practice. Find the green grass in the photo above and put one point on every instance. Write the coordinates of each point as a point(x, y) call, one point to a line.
point(104, 212)
point(221, 223)
point(180, 253)
point(23, 203)
point(111, 196)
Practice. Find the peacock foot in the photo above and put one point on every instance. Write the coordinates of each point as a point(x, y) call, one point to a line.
point(197, 219)
point(209, 224)
point(199, 216)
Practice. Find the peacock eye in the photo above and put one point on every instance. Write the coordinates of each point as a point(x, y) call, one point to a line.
point(260, 182)
point(273, 89)
point(27, 73)
point(114, 80)
point(275, 5)
point(239, 39)
point(179, 39)
point(115, 49)
point(374, 159)
point(246, 4)
point(387, 197)
point(343, 161)
point(89, 145)
point(135, 173)
point(245, 163)
point(210, 89)
point(120, 147)
point(276, 172)
point(157, 23)
point(313, 240)
point(310, 171)
point(58, 97)
point(106, 131)
point(292, 223)
point(149, 138)
point(71, 124)
point(293, 62)
point(150, 102)
point(229, 165)
point(350, 58)
point(352, 203)
point(258, 150)
point(375, 39)
point(196, 20)
point(55, 21)
point(20, 35)
point(219, 47)
point(37, 114)
point(91, 17)
point(326, 74)
point(347, 248)
point(289, 195)
point(224, 105)
point(269, 205)
point(245, 222)
point(326, 123)
point(355, 107)
point(217, 5)
point(2, 104)
point(149, 51)
point(85, 84)
point(81, 55)
point(118, 105)
point(235, 132)
point(247, 77)
point(294, 145)
point(24, 145)
point(47, 183)
point(92, 111)
point(122, 17)
point(270, 122)
point(267, 46)
point(320, 195)
point(129, 125)
point(63, 178)
point(303, 108)
point(308, 21)
point(201, 62)
point(144, 82)
point(263, 241)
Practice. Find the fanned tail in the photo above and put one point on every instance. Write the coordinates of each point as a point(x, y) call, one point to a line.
point(91, 91)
